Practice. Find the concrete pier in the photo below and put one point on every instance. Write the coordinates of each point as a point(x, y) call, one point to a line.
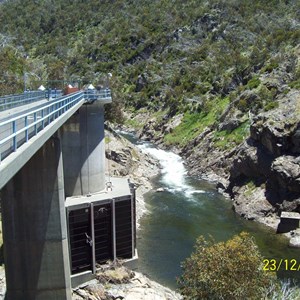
point(34, 229)
point(83, 147)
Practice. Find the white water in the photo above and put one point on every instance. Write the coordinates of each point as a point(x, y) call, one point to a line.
point(173, 170)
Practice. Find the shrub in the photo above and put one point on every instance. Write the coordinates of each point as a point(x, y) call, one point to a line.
point(295, 84)
point(253, 83)
point(271, 105)
point(225, 270)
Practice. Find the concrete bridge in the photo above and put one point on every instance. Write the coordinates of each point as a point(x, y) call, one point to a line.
point(60, 214)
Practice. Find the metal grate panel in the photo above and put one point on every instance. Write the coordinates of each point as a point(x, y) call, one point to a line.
point(123, 215)
point(103, 233)
point(80, 242)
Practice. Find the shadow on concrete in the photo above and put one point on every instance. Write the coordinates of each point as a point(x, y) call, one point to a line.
point(83, 152)
point(32, 203)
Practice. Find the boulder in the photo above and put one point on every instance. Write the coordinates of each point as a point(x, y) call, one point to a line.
point(286, 173)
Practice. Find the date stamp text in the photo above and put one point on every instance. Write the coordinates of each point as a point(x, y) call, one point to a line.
point(281, 264)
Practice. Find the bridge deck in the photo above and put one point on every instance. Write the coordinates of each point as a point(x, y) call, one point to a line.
point(9, 113)
point(30, 125)
point(24, 131)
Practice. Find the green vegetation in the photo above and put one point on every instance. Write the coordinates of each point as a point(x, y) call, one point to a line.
point(228, 139)
point(194, 123)
point(107, 139)
point(231, 270)
point(190, 127)
point(226, 270)
point(295, 84)
point(271, 105)
point(164, 56)
point(250, 187)
point(253, 83)
point(179, 48)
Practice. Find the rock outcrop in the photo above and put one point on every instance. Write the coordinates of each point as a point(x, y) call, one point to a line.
point(117, 282)
point(124, 159)
point(262, 174)
point(268, 163)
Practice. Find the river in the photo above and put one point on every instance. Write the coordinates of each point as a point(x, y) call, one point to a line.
point(189, 207)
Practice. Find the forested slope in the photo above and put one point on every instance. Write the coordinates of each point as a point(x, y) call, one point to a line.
point(211, 78)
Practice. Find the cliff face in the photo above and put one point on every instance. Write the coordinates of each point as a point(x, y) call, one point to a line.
point(264, 176)
point(261, 174)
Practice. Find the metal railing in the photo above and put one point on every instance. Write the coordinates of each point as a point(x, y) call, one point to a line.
point(53, 94)
point(93, 95)
point(10, 101)
point(18, 130)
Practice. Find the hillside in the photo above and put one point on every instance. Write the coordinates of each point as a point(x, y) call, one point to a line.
point(218, 81)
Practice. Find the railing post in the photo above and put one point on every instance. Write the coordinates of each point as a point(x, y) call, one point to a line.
point(26, 131)
point(35, 126)
point(43, 123)
point(48, 115)
point(14, 128)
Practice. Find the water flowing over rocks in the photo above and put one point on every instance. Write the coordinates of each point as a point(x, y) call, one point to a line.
point(262, 174)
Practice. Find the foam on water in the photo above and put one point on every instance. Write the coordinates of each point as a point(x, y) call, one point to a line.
point(173, 170)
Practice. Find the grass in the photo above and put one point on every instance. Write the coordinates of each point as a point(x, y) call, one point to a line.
point(191, 126)
point(133, 123)
point(225, 139)
point(250, 188)
point(194, 124)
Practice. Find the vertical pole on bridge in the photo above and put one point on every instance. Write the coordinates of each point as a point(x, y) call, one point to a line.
point(14, 128)
point(34, 229)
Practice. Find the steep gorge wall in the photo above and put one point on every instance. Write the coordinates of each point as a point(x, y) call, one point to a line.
point(262, 174)
point(266, 167)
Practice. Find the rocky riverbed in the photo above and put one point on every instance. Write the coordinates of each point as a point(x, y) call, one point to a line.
point(126, 160)
point(261, 174)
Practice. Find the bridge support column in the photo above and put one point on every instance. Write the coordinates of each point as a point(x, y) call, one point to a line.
point(83, 143)
point(34, 229)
